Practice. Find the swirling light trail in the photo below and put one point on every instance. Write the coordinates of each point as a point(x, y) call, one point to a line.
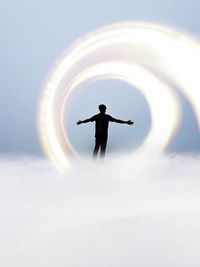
point(123, 51)
point(163, 124)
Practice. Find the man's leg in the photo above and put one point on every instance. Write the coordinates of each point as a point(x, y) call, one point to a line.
point(96, 148)
point(103, 146)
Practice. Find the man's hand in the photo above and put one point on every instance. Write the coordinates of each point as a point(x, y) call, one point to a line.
point(79, 122)
point(130, 122)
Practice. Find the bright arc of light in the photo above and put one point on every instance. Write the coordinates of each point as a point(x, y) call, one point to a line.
point(169, 52)
point(164, 124)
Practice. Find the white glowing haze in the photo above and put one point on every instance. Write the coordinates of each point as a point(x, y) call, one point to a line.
point(142, 212)
point(138, 53)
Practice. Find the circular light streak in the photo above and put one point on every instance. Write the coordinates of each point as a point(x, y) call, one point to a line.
point(146, 55)
point(163, 124)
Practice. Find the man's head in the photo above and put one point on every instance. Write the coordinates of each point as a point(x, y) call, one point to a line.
point(102, 109)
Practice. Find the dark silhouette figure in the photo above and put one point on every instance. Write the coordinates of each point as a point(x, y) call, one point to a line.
point(101, 129)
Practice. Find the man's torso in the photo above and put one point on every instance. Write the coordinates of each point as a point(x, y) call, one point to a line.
point(101, 124)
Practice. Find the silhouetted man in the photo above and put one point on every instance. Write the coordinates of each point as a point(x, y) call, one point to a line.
point(101, 129)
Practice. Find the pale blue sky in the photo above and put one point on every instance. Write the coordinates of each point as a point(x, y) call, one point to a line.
point(34, 33)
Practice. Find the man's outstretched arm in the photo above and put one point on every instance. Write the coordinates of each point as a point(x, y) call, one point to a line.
point(85, 121)
point(129, 122)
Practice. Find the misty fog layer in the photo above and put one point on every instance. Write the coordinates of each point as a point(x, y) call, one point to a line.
point(125, 212)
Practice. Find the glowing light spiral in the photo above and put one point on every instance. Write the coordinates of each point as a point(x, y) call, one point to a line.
point(146, 55)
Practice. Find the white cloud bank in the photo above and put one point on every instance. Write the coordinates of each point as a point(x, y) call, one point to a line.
point(141, 213)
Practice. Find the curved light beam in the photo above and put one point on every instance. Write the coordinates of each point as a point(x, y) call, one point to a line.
point(160, 49)
point(164, 119)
